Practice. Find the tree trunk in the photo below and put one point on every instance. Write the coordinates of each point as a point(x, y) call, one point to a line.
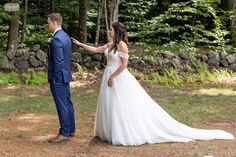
point(100, 8)
point(83, 21)
point(73, 29)
point(24, 22)
point(13, 30)
point(53, 5)
point(232, 8)
point(111, 13)
point(106, 20)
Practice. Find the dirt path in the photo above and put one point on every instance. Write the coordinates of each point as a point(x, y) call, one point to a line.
point(25, 135)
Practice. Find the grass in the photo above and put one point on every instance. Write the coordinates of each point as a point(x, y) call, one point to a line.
point(188, 105)
point(15, 102)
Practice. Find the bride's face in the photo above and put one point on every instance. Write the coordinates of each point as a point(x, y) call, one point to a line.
point(111, 32)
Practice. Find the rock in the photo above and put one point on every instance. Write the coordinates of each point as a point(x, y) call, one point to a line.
point(76, 57)
point(87, 59)
point(214, 58)
point(33, 61)
point(183, 56)
point(212, 54)
point(222, 55)
point(41, 63)
point(97, 57)
point(199, 56)
point(41, 55)
point(95, 64)
point(138, 64)
point(21, 64)
point(87, 65)
point(231, 59)
point(223, 63)
point(19, 52)
point(213, 61)
point(32, 53)
point(6, 64)
point(168, 55)
point(36, 48)
point(165, 61)
point(204, 57)
point(232, 67)
point(25, 55)
point(175, 63)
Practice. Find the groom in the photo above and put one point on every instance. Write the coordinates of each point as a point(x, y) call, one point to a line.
point(59, 77)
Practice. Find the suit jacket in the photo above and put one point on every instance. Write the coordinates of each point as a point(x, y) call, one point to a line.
point(59, 58)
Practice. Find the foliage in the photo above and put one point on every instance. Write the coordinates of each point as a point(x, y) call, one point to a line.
point(172, 77)
point(133, 14)
point(3, 29)
point(32, 77)
point(9, 78)
point(197, 21)
point(36, 34)
point(79, 70)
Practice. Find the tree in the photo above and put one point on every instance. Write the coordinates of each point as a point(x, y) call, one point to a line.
point(100, 10)
point(232, 8)
point(111, 13)
point(83, 21)
point(13, 29)
point(24, 22)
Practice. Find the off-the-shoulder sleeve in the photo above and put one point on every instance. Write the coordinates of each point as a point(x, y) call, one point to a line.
point(123, 55)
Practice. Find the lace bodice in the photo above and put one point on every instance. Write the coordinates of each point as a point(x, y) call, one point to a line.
point(113, 59)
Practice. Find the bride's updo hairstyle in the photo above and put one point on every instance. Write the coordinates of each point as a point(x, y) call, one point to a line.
point(120, 34)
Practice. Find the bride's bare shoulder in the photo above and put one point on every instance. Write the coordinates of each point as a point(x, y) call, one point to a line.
point(122, 46)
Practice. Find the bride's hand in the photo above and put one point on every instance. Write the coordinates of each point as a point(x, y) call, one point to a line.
point(110, 82)
point(76, 41)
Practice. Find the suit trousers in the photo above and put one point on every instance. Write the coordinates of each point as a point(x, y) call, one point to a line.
point(65, 109)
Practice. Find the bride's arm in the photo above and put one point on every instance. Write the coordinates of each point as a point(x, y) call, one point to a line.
point(124, 63)
point(92, 49)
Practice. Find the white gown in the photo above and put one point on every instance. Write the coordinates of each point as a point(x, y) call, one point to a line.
point(126, 115)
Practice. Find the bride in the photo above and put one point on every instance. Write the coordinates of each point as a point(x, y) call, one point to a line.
point(126, 115)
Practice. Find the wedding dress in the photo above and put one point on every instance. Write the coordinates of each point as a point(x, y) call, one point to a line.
point(126, 115)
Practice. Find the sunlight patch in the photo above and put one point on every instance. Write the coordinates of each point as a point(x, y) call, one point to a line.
point(4, 129)
point(5, 98)
point(42, 138)
point(33, 95)
point(10, 87)
point(33, 118)
point(216, 91)
point(22, 129)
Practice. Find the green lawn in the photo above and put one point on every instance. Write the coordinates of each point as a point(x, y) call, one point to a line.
point(186, 104)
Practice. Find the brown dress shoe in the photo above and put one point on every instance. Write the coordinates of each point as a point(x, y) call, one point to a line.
point(59, 139)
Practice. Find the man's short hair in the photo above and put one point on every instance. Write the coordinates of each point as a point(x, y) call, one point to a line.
point(55, 17)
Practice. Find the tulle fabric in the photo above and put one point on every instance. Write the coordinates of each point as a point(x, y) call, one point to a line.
point(126, 115)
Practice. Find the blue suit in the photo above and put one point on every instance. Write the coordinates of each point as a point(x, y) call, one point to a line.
point(59, 77)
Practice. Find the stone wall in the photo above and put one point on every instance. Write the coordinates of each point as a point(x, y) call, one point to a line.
point(37, 60)
point(23, 59)
point(210, 59)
